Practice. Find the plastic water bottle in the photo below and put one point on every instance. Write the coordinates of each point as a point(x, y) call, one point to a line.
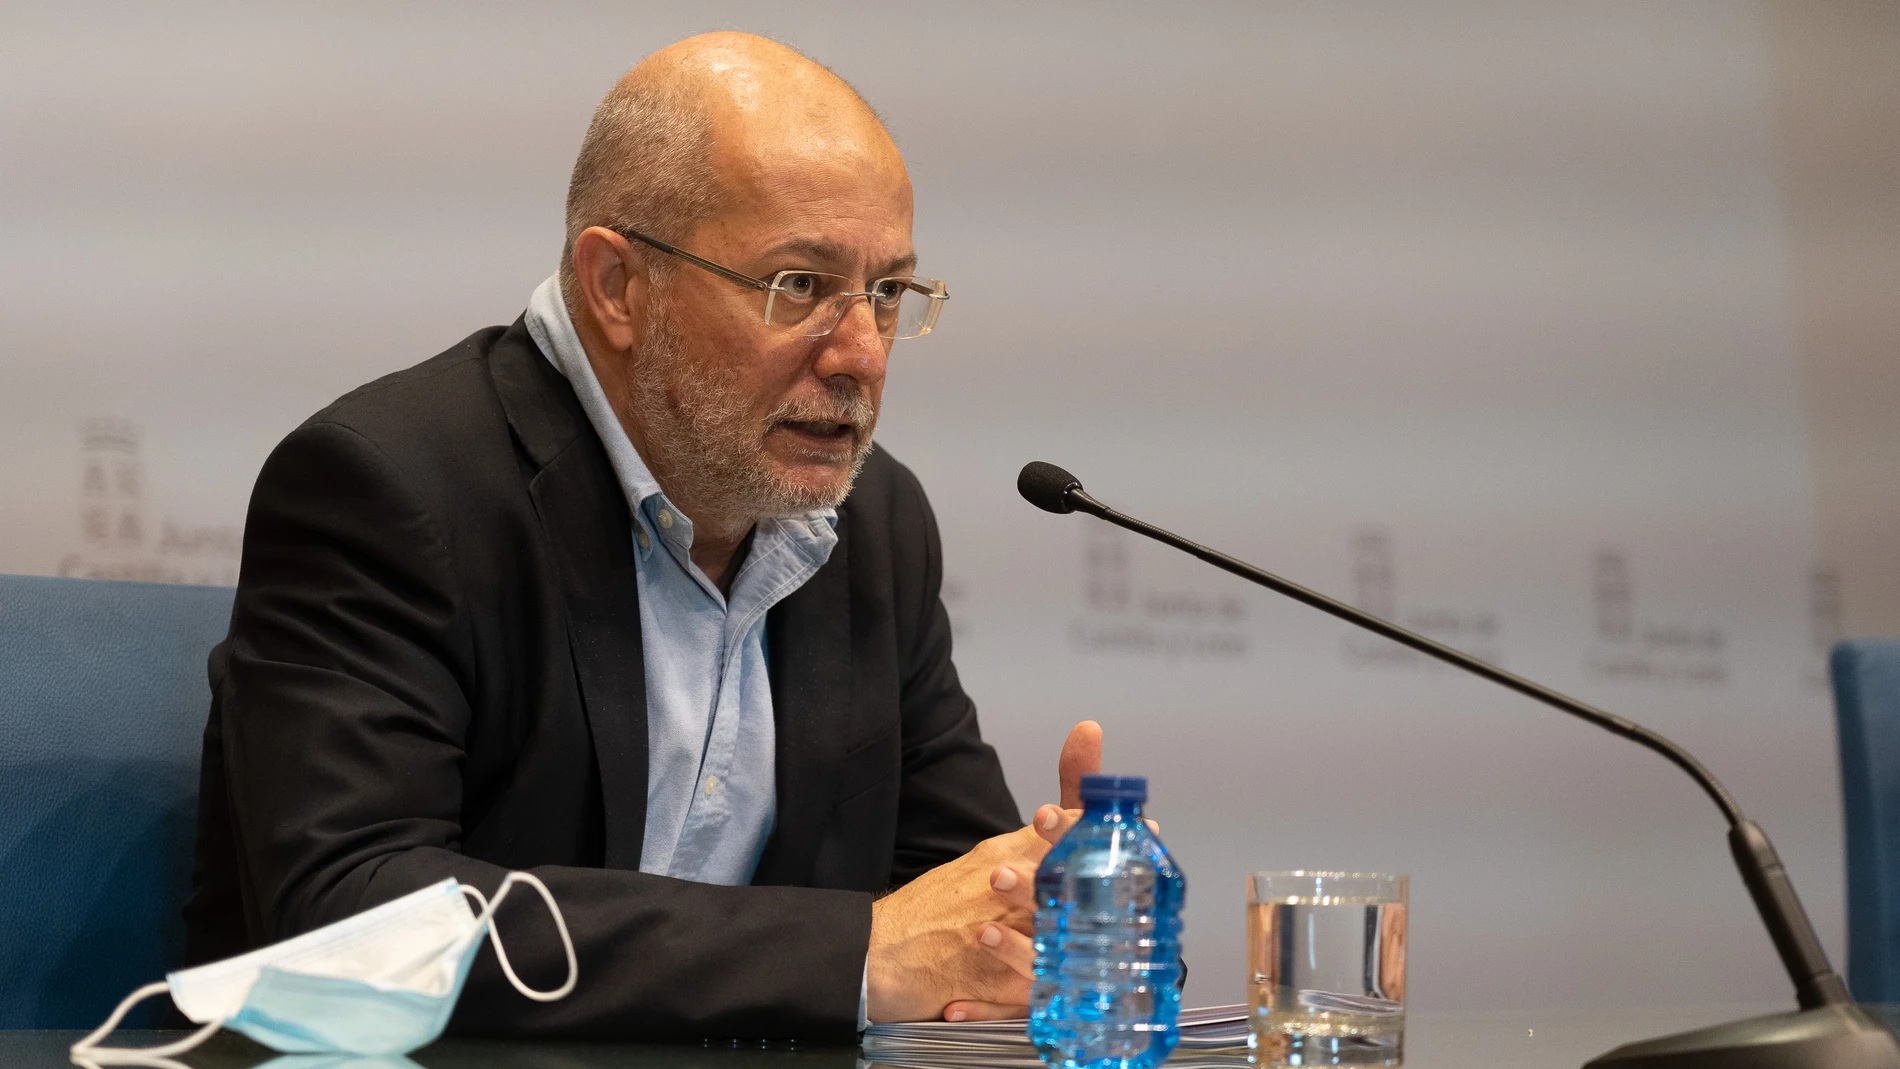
point(1108, 937)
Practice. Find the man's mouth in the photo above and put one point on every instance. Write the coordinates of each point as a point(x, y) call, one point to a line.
point(825, 431)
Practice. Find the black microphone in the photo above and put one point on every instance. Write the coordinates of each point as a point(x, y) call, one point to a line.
point(1048, 487)
point(1829, 1031)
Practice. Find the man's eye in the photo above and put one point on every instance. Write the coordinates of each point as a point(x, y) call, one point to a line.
point(889, 290)
point(799, 285)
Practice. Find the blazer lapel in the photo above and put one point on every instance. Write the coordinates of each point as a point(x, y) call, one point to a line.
point(589, 530)
point(808, 638)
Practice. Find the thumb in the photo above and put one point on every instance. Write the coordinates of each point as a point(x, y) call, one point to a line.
point(1081, 756)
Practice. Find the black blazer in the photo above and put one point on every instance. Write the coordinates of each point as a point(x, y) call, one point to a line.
point(434, 669)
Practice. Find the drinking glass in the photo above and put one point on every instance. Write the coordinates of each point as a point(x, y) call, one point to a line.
point(1326, 967)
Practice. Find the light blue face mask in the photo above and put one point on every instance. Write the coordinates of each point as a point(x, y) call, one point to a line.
point(381, 982)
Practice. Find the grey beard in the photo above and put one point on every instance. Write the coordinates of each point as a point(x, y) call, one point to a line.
point(708, 452)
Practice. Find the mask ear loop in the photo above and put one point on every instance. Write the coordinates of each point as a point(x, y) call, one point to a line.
point(89, 1049)
point(487, 918)
point(143, 1060)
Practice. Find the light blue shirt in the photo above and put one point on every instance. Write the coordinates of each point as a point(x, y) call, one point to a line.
point(711, 762)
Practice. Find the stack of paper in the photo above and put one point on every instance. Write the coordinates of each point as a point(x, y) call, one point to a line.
point(1212, 1037)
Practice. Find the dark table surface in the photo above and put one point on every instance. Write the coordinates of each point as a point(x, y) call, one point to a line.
point(1501, 1039)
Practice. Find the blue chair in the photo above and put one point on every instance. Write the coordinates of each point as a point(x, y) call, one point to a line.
point(1867, 705)
point(103, 699)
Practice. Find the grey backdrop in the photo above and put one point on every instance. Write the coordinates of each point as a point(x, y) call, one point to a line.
point(1476, 314)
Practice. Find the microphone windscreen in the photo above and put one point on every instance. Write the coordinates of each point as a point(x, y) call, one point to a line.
point(1047, 486)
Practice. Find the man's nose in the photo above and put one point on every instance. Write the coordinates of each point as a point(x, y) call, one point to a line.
point(853, 347)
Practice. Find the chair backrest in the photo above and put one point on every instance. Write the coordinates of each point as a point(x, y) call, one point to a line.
point(103, 698)
point(1867, 706)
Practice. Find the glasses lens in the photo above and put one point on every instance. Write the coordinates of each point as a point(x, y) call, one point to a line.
point(795, 295)
point(813, 302)
point(911, 308)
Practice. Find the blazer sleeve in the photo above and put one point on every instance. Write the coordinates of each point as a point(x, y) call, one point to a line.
point(953, 794)
point(344, 722)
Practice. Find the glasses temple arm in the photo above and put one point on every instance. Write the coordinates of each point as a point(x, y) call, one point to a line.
point(927, 291)
point(723, 272)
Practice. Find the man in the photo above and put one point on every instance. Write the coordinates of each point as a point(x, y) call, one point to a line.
point(622, 594)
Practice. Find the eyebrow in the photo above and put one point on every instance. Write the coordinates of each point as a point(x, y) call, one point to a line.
point(830, 252)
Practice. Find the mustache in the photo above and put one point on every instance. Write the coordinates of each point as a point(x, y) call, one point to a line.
point(846, 403)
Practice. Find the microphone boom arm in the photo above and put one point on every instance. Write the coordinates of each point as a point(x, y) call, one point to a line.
point(1816, 983)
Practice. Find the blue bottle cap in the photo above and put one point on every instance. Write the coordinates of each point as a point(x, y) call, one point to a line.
point(1114, 788)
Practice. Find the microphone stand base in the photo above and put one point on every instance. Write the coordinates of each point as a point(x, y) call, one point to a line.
point(1829, 1037)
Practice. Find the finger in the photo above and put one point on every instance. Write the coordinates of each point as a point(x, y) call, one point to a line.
point(1017, 890)
point(1153, 825)
point(1019, 921)
point(1053, 822)
point(970, 1010)
point(1010, 947)
point(1016, 893)
point(1081, 756)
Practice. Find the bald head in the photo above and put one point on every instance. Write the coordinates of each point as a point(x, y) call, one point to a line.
point(712, 124)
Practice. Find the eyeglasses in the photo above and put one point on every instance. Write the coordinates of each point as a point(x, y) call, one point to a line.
point(814, 302)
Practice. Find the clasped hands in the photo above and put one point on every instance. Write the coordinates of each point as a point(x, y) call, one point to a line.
point(956, 943)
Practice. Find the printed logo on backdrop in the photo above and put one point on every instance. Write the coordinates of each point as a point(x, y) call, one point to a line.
point(1630, 647)
point(116, 536)
point(1123, 615)
point(1375, 589)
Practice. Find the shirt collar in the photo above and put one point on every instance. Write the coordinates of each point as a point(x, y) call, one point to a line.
point(553, 332)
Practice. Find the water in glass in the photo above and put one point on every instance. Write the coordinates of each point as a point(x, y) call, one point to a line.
point(1326, 963)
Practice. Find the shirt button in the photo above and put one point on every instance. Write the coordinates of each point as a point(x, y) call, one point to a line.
point(666, 519)
point(640, 536)
point(711, 782)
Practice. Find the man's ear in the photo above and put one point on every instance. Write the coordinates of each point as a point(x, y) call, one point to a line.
point(613, 283)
